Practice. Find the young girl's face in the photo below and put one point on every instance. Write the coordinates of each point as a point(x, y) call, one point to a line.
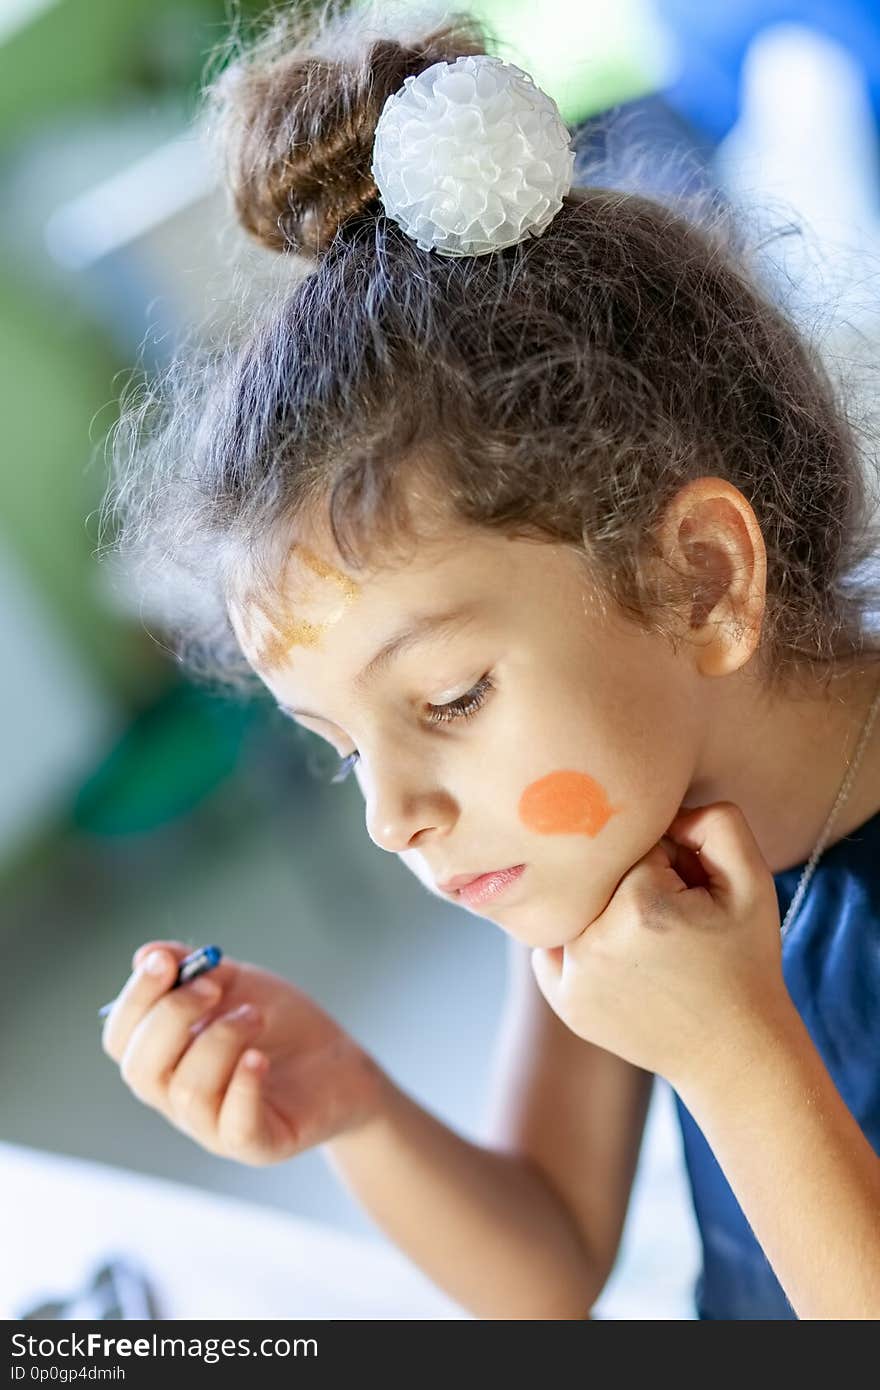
point(527, 730)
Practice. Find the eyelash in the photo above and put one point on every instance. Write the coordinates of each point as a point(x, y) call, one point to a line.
point(465, 707)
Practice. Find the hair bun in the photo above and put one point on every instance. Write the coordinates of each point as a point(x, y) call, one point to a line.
point(295, 115)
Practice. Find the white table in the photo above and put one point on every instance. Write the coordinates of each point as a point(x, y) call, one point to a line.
point(209, 1256)
point(206, 1256)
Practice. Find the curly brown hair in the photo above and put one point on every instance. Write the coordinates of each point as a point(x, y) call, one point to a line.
point(563, 388)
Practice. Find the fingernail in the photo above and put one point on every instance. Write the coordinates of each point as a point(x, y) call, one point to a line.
point(245, 1013)
point(155, 963)
point(205, 989)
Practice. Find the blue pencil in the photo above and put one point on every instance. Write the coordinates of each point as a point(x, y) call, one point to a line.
point(205, 958)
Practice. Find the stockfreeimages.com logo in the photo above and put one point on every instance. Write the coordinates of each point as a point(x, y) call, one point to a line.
point(208, 1349)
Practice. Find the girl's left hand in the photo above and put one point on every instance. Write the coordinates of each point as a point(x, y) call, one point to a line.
point(687, 952)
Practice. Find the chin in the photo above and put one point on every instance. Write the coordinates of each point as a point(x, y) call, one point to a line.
point(541, 936)
point(553, 926)
point(548, 944)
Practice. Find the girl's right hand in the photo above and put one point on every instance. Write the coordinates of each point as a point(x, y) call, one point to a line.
point(185, 1052)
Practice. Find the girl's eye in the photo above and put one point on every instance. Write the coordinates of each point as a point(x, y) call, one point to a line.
point(462, 708)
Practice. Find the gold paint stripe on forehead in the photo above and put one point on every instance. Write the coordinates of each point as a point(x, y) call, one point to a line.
point(299, 631)
point(327, 571)
point(275, 649)
point(270, 652)
point(296, 631)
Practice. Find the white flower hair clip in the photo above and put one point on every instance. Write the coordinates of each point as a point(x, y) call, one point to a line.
point(471, 156)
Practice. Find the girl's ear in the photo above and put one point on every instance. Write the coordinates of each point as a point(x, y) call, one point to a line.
point(710, 541)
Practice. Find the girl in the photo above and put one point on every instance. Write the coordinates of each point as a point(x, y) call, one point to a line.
point(554, 535)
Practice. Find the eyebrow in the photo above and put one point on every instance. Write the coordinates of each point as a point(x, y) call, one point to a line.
point(418, 628)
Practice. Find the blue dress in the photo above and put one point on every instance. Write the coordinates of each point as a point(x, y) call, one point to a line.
point(831, 965)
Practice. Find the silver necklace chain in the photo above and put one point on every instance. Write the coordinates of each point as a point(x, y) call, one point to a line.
point(826, 830)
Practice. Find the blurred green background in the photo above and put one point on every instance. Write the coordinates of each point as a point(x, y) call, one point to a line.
point(104, 202)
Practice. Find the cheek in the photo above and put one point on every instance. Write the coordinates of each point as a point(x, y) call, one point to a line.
point(565, 803)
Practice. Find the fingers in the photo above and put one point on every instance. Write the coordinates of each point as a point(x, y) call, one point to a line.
point(686, 863)
point(178, 949)
point(178, 1052)
point(197, 1087)
point(243, 1124)
point(223, 972)
point(729, 853)
point(159, 1039)
point(153, 977)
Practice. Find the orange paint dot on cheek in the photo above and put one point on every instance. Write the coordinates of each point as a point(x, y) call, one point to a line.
point(565, 803)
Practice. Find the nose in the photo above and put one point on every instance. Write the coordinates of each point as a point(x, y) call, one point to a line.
point(403, 804)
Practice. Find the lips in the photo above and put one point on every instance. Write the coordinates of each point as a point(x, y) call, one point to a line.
point(461, 880)
point(475, 882)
